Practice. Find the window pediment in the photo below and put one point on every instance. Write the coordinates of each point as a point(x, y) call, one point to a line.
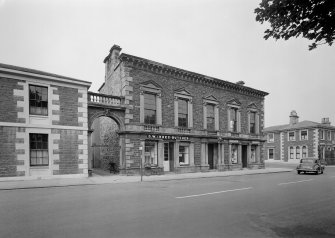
point(252, 106)
point(151, 84)
point(182, 91)
point(234, 103)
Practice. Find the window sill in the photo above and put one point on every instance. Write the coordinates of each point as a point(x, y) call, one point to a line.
point(39, 166)
point(40, 116)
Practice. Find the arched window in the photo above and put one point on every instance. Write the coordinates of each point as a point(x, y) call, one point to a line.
point(304, 152)
point(291, 152)
point(297, 152)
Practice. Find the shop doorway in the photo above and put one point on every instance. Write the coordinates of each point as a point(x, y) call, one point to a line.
point(212, 155)
point(244, 156)
point(168, 162)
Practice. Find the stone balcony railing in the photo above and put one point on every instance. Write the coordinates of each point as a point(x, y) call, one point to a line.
point(103, 99)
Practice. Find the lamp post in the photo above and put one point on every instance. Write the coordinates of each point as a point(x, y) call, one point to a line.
point(141, 162)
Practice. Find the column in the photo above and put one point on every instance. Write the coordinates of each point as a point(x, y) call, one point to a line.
point(239, 154)
point(90, 152)
point(160, 154)
point(191, 154)
point(203, 153)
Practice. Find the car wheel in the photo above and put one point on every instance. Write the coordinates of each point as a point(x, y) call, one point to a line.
point(321, 171)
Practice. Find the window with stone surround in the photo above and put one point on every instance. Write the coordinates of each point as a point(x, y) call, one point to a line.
point(233, 119)
point(322, 134)
point(182, 112)
point(297, 152)
point(150, 153)
point(38, 100)
point(304, 151)
point(234, 115)
point(210, 113)
point(329, 137)
point(210, 120)
point(304, 135)
point(39, 153)
point(150, 108)
point(253, 118)
point(291, 152)
point(271, 137)
point(184, 154)
point(291, 136)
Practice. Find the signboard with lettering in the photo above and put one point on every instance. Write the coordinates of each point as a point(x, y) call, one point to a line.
point(168, 137)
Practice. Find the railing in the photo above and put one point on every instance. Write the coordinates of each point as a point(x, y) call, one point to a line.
point(99, 98)
point(184, 130)
point(151, 128)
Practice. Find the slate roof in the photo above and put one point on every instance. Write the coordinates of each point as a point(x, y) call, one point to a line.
point(299, 125)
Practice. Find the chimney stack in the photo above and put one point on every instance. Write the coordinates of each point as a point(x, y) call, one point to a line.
point(325, 121)
point(112, 60)
point(294, 119)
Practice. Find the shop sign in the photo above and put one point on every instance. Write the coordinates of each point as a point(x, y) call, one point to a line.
point(168, 137)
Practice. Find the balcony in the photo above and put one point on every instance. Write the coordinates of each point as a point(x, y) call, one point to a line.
point(97, 99)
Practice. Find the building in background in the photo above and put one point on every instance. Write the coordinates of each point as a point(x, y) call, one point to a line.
point(43, 124)
point(296, 140)
point(180, 121)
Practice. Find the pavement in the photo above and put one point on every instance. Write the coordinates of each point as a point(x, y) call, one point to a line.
point(98, 179)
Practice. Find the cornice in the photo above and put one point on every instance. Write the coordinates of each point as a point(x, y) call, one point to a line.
point(160, 68)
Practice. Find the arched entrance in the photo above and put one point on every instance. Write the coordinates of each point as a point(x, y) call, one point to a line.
point(104, 143)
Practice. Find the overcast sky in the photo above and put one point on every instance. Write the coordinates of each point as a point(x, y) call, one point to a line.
point(218, 38)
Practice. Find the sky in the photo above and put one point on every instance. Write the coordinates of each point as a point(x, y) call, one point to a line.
point(218, 38)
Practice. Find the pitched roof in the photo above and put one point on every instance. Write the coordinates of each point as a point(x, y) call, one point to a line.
point(302, 124)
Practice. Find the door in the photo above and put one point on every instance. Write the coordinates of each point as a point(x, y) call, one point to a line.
point(166, 163)
point(244, 156)
point(211, 156)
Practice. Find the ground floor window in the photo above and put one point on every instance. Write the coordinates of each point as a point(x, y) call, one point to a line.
point(184, 154)
point(39, 154)
point(297, 152)
point(271, 153)
point(234, 150)
point(150, 153)
point(304, 152)
point(253, 154)
point(291, 150)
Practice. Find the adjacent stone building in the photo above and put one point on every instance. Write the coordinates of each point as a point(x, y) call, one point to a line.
point(180, 121)
point(43, 124)
point(296, 140)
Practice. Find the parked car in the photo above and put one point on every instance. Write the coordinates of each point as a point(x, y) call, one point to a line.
point(313, 165)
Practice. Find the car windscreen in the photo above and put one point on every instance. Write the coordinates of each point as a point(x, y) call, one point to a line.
point(307, 161)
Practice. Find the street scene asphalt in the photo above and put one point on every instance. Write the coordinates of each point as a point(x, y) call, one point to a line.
point(282, 204)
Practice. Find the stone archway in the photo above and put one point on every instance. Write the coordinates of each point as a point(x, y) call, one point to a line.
point(104, 142)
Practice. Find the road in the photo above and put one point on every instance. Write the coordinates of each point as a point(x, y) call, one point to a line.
point(268, 205)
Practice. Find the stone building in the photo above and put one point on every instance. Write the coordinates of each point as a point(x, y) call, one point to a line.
point(180, 121)
point(43, 124)
point(296, 140)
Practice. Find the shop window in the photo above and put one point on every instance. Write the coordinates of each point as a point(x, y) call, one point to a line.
point(234, 154)
point(182, 112)
point(253, 154)
point(150, 153)
point(271, 137)
point(291, 152)
point(304, 152)
point(150, 108)
point(38, 100)
point(291, 136)
point(39, 153)
point(303, 135)
point(183, 154)
point(297, 152)
point(271, 153)
point(210, 117)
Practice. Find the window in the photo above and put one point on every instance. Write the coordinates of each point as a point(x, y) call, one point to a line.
point(39, 155)
point(303, 135)
point(322, 134)
point(291, 136)
point(271, 153)
point(149, 108)
point(210, 117)
point(233, 120)
point(252, 125)
point(329, 137)
point(183, 154)
point(304, 152)
point(182, 113)
point(150, 153)
point(271, 137)
point(253, 154)
point(297, 152)
point(38, 100)
point(291, 152)
point(234, 149)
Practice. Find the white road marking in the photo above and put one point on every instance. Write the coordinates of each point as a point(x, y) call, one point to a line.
point(296, 182)
point(205, 194)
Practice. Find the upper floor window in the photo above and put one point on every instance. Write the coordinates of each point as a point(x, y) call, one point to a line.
point(39, 155)
point(233, 119)
point(291, 136)
point(38, 100)
point(329, 137)
point(210, 117)
point(303, 135)
point(182, 112)
point(322, 134)
point(150, 108)
point(271, 137)
point(252, 122)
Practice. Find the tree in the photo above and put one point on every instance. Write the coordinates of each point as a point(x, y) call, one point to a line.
point(312, 19)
